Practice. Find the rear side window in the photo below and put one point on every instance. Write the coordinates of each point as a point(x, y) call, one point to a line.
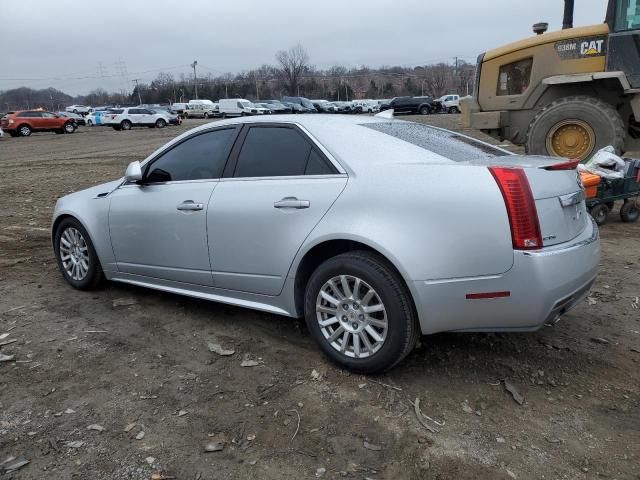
point(29, 115)
point(273, 152)
point(450, 145)
point(514, 78)
point(198, 158)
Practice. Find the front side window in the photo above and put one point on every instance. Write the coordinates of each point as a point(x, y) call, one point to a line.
point(514, 78)
point(627, 15)
point(278, 152)
point(198, 158)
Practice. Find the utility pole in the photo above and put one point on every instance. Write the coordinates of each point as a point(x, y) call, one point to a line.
point(195, 78)
point(136, 80)
point(257, 92)
point(346, 91)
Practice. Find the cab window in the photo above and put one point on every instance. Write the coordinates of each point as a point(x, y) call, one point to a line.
point(627, 15)
point(514, 78)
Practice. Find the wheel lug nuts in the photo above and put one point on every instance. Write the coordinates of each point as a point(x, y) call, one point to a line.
point(355, 306)
point(354, 325)
point(361, 317)
point(345, 306)
point(344, 318)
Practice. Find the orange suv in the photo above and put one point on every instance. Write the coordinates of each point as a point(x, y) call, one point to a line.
point(24, 122)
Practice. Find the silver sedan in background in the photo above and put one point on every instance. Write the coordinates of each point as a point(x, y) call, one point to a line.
point(375, 230)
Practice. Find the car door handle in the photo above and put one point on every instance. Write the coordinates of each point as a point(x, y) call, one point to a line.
point(292, 202)
point(190, 206)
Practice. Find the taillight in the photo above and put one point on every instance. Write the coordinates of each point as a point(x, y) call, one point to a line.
point(570, 165)
point(521, 207)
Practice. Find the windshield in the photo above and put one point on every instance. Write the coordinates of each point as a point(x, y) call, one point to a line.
point(246, 103)
point(451, 145)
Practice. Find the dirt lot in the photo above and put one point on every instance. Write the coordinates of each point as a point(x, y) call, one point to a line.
point(136, 363)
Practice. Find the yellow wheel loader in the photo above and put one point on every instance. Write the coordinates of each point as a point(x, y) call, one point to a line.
point(566, 93)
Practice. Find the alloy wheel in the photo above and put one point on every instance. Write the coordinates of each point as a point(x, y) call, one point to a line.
point(74, 253)
point(351, 316)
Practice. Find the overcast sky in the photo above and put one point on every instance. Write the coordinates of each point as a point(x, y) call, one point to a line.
point(76, 46)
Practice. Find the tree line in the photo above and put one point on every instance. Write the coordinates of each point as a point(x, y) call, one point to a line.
point(292, 74)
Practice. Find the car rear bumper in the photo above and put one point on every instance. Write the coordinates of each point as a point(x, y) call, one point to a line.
point(542, 286)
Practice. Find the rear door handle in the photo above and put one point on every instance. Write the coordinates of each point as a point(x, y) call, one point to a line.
point(190, 206)
point(292, 202)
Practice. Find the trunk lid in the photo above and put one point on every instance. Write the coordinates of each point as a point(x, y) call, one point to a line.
point(558, 194)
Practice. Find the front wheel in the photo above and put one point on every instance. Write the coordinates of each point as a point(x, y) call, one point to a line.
point(575, 127)
point(629, 211)
point(69, 128)
point(425, 111)
point(454, 110)
point(89, 123)
point(161, 123)
point(358, 308)
point(75, 255)
point(600, 213)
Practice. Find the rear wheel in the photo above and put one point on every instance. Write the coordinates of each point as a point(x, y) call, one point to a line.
point(89, 123)
point(161, 123)
point(629, 212)
point(205, 116)
point(575, 127)
point(600, 213)
point(359, 310)
point(24, 130)
point(223, 115)
point(425, 110)
point(454, 110)
point(76, 257)
point(125, 125)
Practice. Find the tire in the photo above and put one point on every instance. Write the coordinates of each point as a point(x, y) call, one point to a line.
point(24, 130)
point(205, 116)
point(161, 123)
point(80, 277)
point(600, 213)
point(69, 127)
point(223, 115)
point(125, 125)
point(425, 110)
point(75, 110)
point(629, 211)
point(390, 291)
point(89, 123)
point(595, 123)
point(453, 110)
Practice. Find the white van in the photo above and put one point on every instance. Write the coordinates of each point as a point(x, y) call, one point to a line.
point(201, 109)
point(239, 107)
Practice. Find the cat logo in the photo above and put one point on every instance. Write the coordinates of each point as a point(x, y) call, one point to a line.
point(593, 47)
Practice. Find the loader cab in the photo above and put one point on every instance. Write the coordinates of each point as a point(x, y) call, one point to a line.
point(623, 18)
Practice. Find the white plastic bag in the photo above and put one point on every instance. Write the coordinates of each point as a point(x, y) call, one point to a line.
point(605, 163)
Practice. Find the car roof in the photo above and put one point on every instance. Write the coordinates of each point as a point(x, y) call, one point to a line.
point(348, 140)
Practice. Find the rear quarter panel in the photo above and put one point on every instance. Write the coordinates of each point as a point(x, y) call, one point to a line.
point(431, 221)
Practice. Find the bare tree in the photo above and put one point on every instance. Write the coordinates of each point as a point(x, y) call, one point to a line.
point(292, 64)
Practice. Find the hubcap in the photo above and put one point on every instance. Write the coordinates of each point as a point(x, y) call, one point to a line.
point(351, 316)
point(24, 131)
point(74, 253)
point(571, 139)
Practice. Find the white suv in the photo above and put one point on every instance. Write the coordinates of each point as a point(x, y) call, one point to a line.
point(79, 109)
point(127, 118)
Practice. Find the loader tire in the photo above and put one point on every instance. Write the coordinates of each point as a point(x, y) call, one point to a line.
point(575, 127)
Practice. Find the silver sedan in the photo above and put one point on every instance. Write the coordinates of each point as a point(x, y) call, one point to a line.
point(375, 230)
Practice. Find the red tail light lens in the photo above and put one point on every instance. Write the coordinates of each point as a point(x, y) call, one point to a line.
point(521, 207)
point(570, 165)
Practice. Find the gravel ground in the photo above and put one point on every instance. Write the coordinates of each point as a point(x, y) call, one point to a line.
point(135, 363)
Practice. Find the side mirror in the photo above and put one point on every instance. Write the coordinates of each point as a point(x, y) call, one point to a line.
point(133, 172)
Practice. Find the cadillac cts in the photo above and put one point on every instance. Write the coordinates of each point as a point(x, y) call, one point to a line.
point(375, 230)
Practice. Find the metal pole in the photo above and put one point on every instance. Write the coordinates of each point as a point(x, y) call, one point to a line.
point(195, 78)
point(135, 80)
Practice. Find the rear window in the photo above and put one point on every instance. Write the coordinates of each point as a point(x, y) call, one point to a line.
point(450, 145)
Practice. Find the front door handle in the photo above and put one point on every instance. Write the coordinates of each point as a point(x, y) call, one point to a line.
point(292, 202)
point(190, 206)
